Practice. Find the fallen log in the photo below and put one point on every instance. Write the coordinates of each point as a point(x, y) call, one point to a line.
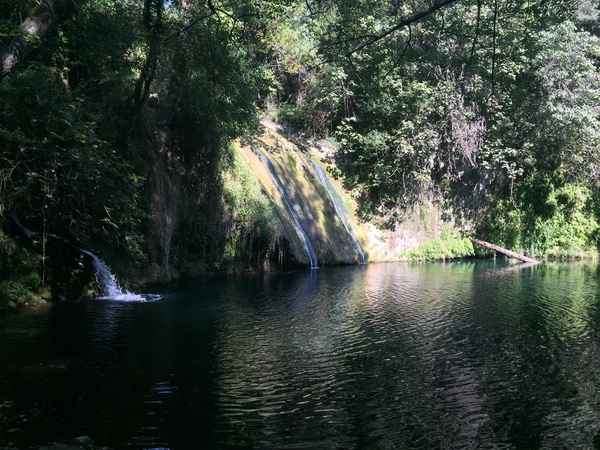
point(504, 251)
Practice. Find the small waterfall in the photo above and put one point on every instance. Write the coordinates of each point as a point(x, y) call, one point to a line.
point(336, 204)
point(107, 282)
point(307, 245)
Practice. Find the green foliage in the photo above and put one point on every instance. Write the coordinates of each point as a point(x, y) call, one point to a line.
point(233, 236)
point(60, 175)
point(447, 247)
point(250, 218)
point(12, 13)
point(562, 223)
point(491, 107)
point(307, 99)
point(549, 129)
point(385, 151)
point(317, 105)
point(120, 97)
point(20, 280)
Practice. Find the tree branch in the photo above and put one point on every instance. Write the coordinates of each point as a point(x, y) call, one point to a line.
point(408, 42)
point(188, 26)
point(477, 25)
point(494, 47)
point(409, 20)
point(214, 11)
point(40, 20)
point(351, 39)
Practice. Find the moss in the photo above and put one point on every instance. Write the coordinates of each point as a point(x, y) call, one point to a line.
point(306, 196)
point(292, 163)
point(448, 247)
point(249, 218)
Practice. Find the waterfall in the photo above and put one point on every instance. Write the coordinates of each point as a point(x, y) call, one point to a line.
point(336, 205)
point(107, 282)
point(307, 245)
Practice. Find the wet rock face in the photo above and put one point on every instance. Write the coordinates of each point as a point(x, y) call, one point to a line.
point(308, 204)
point(321, 207)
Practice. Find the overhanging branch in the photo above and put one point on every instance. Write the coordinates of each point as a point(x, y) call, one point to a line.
point(405, 22)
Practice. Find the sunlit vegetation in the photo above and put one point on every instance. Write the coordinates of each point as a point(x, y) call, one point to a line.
point(449, 246)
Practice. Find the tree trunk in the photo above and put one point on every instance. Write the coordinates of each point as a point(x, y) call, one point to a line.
point(504, 251)
point(41, 18)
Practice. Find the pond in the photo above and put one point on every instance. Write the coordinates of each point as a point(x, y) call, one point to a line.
point(474, 354)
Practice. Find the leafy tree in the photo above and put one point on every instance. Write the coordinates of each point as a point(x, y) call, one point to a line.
point(477, 104)
point(15, 46)
point(115, 130)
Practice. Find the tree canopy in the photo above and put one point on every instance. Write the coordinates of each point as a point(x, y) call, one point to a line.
point(491, 107)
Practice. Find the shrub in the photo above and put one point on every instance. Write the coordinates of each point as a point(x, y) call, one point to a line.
point(448, 247)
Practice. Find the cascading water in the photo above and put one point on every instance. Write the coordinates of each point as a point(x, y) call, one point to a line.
point(107, 282)
point(307, 245)
point(336, 205)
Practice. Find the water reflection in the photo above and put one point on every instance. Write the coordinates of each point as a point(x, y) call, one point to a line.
point(402, 356)
point(283, 362)
point(456, 355)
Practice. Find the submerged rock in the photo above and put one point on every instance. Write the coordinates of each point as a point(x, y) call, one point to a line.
point(78, 443)
point(83, 442)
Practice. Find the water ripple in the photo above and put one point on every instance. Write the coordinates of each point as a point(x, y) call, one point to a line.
point(461, 355)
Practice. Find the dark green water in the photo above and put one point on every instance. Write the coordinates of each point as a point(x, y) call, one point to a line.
point(455, 355)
